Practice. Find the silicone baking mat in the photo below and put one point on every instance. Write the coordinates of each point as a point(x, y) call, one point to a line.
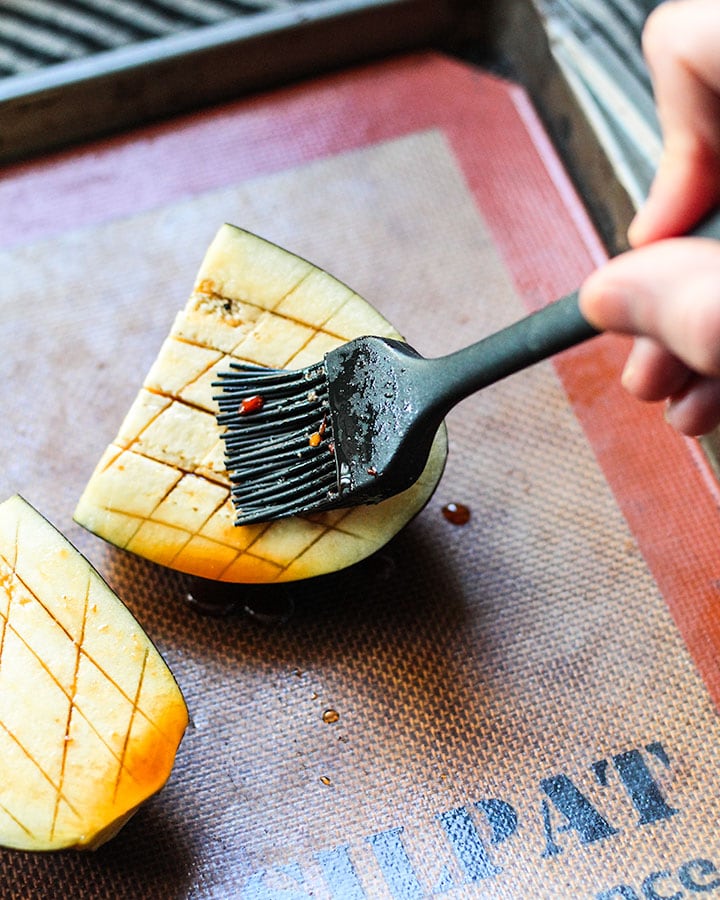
point(522, 706)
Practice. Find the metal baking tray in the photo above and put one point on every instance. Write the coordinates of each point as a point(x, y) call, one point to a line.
point(81, 69)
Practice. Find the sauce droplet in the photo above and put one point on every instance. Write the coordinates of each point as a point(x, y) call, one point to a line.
point(331, 716)
point(456, 513)
point(251, 405)
point(325, 780)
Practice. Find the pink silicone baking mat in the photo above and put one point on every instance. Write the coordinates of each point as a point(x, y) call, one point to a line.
point(523, 706)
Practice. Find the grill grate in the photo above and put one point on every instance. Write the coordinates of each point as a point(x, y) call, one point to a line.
point(39, 33)
point(71, 70)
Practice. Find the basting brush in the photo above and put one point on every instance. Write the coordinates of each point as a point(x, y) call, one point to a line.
point(357, 427)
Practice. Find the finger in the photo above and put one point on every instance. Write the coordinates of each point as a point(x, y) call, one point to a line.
point(697, 410)
point(652, 373)
point(669, 291)
point(684, 190)
point(680, 46)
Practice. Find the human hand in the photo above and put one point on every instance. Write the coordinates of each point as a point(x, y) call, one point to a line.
point(667, 289)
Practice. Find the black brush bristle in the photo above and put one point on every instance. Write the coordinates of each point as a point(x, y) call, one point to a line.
point(279, 445)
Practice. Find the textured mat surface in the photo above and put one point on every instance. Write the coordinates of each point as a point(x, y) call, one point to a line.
point(518, 707)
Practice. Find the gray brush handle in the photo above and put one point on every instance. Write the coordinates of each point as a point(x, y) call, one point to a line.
point(552, 329)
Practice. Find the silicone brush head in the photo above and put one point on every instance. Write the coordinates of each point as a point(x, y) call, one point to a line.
point(323, 437)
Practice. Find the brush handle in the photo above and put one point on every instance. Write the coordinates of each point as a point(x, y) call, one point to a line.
point(554, 328)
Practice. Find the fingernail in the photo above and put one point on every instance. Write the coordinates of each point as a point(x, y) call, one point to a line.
point(644, 213)
point(628, 378)
point(636, 227)
point(628, 375)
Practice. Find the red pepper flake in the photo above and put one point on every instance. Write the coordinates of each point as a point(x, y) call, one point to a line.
point(251, 405)
point(456, 513)
point(372, 471)
point(317, 436)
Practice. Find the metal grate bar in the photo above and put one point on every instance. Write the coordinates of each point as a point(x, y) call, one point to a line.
point(76, 69)
point(38, 33)
point(66, 20)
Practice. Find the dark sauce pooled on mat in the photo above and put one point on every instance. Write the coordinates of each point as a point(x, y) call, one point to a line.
point(218, 599)
point(272, 604)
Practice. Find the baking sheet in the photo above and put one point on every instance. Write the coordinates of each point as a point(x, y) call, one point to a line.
point(515, 711)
